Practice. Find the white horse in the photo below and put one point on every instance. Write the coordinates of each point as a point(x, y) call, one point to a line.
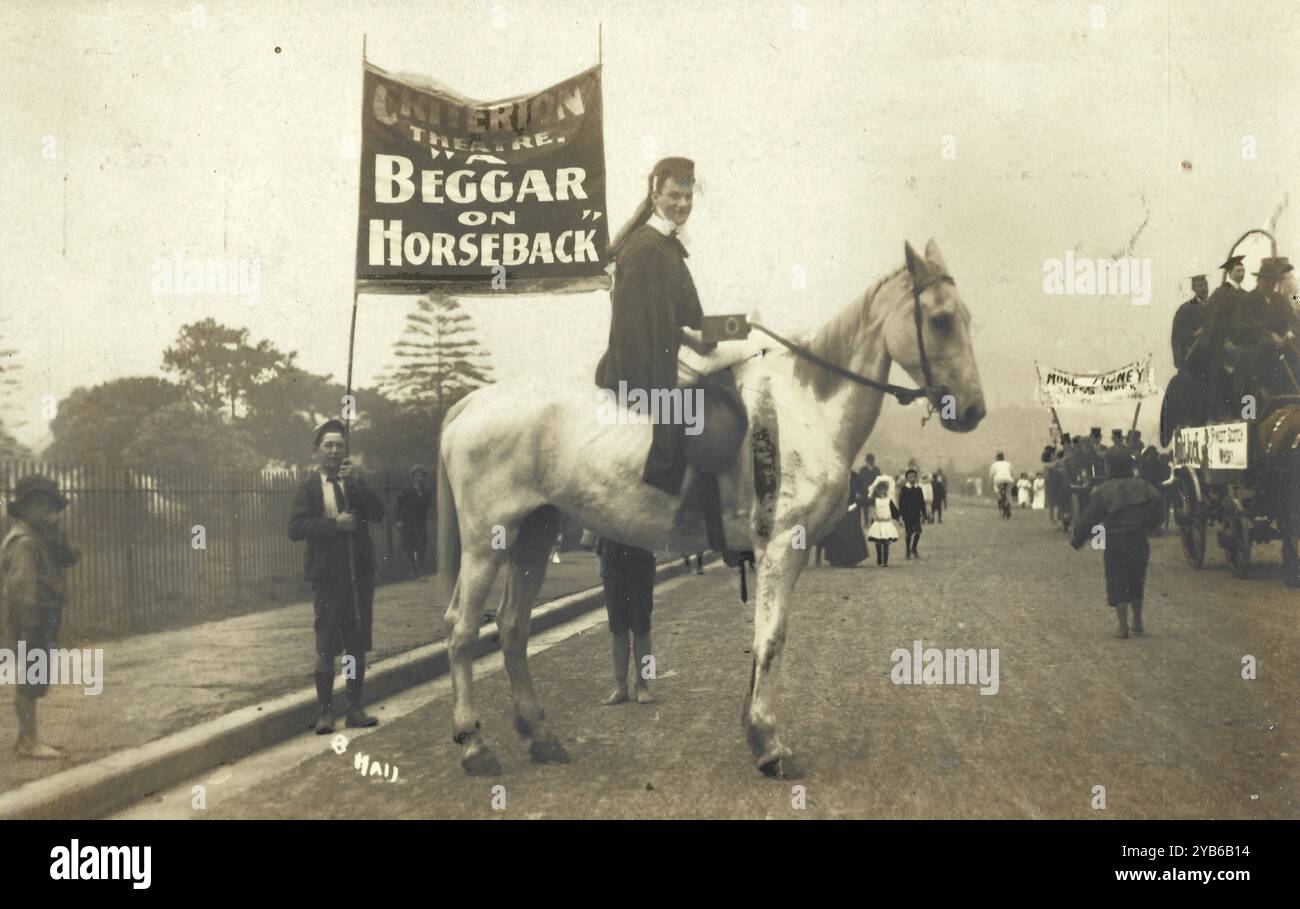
point(515, 455)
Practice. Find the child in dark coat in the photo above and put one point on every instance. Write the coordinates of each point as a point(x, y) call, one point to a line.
point(1125, 507)
point(911, 506)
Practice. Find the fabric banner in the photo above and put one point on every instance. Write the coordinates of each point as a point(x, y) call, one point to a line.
point(1058, 388)
point(468, 196)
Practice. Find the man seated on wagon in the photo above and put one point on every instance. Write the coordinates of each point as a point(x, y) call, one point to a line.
point(1188, 320)
point(1265, 330)
point(1211, 353)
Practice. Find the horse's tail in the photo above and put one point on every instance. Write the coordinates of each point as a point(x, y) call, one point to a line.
point(448, 519)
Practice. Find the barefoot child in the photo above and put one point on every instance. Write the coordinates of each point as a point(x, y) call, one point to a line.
point(882, 531)
point(1126, 507)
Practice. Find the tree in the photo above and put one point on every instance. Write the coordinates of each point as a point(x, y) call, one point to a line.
point(178, 437)
point(285, 410)
point(218, 367)
point(96, 425)
point(11, 448)
point(9, 365)
point(441, 360)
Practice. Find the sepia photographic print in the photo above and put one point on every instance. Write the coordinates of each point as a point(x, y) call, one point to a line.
point(650, 410)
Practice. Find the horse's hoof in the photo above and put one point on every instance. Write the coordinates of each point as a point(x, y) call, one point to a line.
point(548, 751)
point(782, 768)
point(481, 763)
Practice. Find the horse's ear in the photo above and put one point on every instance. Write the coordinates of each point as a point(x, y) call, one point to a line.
point(932, 253)
point(911, 257)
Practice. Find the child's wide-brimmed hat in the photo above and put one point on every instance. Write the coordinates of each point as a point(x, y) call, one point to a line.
point(31, 486)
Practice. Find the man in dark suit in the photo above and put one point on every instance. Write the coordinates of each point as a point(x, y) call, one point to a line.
point(1188, 320)
point(332, 510)
point(1215, 348)
point(413, 505)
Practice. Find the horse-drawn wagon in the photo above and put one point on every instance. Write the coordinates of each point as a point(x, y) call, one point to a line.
point(1239, 477)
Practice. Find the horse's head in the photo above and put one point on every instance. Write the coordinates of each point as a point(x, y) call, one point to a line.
point(930, 339)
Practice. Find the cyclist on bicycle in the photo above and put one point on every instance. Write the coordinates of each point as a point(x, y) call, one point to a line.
point(1002, 479)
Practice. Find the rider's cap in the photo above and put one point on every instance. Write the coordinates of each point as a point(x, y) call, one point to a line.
point(1270, 268)
point(1233, 262)
point(327, 427)
point(677, 168)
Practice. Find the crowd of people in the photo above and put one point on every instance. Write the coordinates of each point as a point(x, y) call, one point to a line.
point(1081, 461)
point(877, 503)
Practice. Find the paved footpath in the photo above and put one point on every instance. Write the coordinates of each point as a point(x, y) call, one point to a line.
point(157, 684)
point(1165, 723)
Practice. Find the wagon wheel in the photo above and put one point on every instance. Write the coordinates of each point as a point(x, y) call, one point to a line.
point(1191, 519)
point(1238, 527)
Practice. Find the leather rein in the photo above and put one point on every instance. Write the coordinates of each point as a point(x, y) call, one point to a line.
point(903, 395)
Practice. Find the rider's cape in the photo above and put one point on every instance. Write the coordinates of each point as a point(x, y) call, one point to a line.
point(653, 297)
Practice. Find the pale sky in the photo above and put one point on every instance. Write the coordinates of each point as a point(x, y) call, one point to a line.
point(137, 130)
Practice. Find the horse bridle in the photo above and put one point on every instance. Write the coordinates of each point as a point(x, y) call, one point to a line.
point(903, 395)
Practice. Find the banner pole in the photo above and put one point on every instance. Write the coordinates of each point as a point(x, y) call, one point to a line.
point(349, 407)
point(600, 43)
point(352, 331)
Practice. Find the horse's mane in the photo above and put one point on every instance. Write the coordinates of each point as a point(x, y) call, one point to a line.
point(833, 341)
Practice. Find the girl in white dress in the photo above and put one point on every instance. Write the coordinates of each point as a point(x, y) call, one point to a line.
point(1040, 492)
point(883, 513)
point(1022, 490)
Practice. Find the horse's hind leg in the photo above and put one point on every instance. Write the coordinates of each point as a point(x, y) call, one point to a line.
point(528, 559)
point(478, 571)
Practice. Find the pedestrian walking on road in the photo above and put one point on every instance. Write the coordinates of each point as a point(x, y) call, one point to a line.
point(882, 531)
point(911, 507)
point(927, 491)
point(1024, 489)
point(1040, 492)
point(413, 505)
point(940, 495)
point(34, 559)
point(1120, 512)
point(332, 510)
point(844, 545)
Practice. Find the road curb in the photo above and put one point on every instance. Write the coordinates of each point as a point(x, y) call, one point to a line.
point(121, 779)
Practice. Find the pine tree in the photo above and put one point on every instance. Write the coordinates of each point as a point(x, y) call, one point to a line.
point(440, 359)
point(9, 366)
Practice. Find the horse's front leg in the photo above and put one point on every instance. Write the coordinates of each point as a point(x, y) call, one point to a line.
point(778, 567)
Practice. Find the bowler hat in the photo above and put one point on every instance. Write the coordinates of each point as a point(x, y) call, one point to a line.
point(33, 485)
point(1119, 462)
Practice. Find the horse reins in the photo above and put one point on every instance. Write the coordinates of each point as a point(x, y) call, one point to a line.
point(903, 395)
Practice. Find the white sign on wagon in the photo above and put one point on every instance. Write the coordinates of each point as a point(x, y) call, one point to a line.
point(1219, 446)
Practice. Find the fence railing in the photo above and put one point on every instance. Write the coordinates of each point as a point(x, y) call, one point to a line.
point(161, 548)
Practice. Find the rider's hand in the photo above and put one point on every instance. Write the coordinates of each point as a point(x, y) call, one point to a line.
point(346, 522)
